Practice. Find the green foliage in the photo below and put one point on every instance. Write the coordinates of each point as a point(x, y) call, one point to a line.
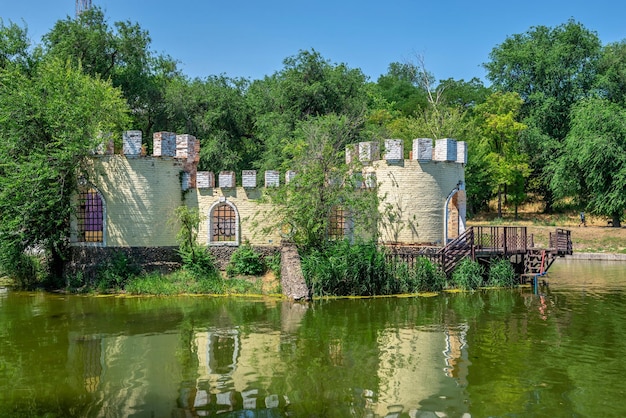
point(49, 121)
point(119, 53)
point(24, 269)
point(273, 263)
point(308, 87)
point(115, 272)
point(217, 112)
point(551, 69)
point(592, 167)
point(431, 278)
point(501, 274)
point(363, 269)
point(468, 275)
point(245, 262)
point(323, 182)
point(187, 282)
point(343, 269)
point(195, 258)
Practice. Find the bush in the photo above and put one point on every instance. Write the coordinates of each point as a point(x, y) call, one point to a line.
point(430, 276)
point(245, 262)
point(468, 275)
point(25, 270)
point(343, 269)
point(115, 272)
point(501, 274)
point(198, 261)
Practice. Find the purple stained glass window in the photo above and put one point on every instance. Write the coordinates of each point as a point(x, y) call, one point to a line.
point(90, 216)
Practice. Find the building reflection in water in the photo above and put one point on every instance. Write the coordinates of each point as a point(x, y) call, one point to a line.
point(232, 371)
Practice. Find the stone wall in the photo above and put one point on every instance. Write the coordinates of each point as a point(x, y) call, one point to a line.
point(88, 260)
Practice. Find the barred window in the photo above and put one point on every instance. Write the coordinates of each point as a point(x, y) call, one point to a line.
point(337, 223)
point(90, 216)
point(224, 224)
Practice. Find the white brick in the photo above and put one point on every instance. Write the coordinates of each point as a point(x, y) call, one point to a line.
point(205, 180)
point(423, 149)
point(368, 151)
point(352, 152)
point(248, 179)
point(445, 150)
point(272, 178)
point(394, 149)
point(164, 144)
point(227, 179)
point(131, 143)
point(461, 152)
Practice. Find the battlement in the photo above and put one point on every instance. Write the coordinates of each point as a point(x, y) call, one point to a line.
point(445, 150)
point(421, 198)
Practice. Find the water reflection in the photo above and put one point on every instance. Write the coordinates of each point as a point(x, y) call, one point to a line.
point(489, 353)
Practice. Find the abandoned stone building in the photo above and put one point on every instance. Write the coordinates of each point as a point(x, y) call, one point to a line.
point(127, 201)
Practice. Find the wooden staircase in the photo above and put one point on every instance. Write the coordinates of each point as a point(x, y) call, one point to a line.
point(456, 250)
point(489, 242)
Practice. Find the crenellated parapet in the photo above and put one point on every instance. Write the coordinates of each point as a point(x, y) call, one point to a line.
point(421, 198)
point(444, 150)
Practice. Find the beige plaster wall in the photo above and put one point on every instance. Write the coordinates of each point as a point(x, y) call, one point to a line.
point(412, 196)
point(141, 194)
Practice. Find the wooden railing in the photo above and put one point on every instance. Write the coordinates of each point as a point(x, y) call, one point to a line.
point(461, 247)
point(561, 241)
point(486, 242)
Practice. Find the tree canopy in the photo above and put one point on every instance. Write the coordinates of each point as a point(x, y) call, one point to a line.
point(48, 123)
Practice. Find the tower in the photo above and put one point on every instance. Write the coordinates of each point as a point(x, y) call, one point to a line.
point(82, 5)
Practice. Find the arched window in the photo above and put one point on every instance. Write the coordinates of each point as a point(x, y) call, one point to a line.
point(90, 216)
point(224, 224)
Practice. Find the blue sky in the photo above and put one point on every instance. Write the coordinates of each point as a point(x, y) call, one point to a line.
point(245, 38)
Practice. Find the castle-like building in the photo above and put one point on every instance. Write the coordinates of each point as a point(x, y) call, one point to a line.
point(128, 200)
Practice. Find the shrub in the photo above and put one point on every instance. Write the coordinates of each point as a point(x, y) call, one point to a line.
point(430, 276)
point(115, 272)
point(468, 275)
point(246, 262)
point(24, 269)
point(196, 259)
point(343, 269)
point(501, 274)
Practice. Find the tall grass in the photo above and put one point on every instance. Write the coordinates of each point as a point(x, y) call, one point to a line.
point(363, 269)
point(501, 274)
point(186, 282)
point(468, 275)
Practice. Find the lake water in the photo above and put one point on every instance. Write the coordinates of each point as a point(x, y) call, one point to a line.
point(484, 354)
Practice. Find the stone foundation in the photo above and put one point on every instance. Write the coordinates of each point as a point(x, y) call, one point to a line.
point(86, 260)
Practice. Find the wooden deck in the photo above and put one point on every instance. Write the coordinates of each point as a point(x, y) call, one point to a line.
point(488, 243)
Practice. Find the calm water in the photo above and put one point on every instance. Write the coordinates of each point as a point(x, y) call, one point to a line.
point(486, 354)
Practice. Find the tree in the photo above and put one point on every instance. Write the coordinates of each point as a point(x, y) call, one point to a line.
point(121, 54)
point(217, 112)
point(499, 129)
point(323, 181)
point(592, 167)
point(551, 69)
point(308, 87)
point(402, 88)
point(14, 47)
point(611, 80)
point(48, 123)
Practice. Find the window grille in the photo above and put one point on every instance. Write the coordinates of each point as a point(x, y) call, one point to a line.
point(337, 222)
point(90, 216)
point(224, 224)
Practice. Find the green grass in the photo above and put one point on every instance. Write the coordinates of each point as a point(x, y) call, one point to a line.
point(185, 282)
